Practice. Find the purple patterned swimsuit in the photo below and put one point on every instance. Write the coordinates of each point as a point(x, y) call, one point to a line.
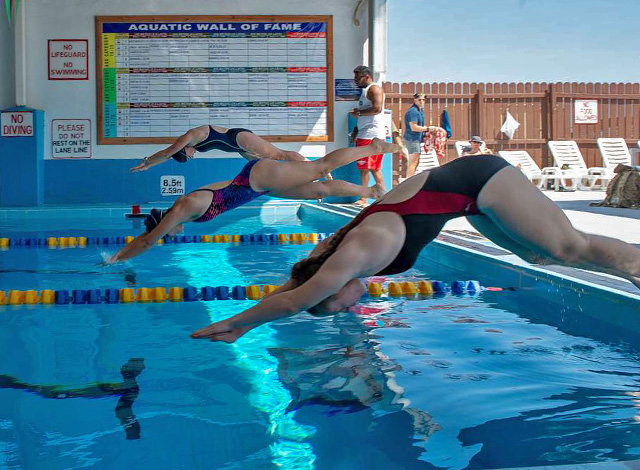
point(238, 192)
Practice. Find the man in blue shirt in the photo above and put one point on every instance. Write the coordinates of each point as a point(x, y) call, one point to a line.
point(413, 132)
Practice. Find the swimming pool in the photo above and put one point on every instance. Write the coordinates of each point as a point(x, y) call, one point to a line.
point(493, 380)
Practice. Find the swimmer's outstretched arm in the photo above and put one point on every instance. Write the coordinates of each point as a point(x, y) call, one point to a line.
point(191, 137)
point(180, 213)
point(287, 286)
point(334, 274)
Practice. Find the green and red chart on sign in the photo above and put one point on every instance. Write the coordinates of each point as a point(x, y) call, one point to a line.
point(11, 7)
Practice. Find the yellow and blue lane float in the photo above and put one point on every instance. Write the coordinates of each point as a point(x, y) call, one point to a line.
point(393, 289)
point(82, 241)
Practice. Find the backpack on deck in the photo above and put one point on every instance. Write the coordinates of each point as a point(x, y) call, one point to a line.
point(624, 189)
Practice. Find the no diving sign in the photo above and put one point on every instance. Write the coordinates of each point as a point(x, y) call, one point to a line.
point(17, 124)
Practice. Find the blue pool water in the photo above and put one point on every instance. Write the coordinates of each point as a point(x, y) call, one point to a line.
point(494, 380)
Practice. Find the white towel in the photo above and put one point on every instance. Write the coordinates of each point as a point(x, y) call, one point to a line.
point(510, 125)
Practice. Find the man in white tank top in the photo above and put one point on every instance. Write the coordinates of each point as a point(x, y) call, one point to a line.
point(370, 124)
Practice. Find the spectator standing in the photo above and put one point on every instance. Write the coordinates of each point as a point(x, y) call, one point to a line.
point(414, 130)
point(370, 124)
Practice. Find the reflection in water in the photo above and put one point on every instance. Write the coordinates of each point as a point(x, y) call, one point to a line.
point(351, 378)
point(127, 390)
point(289, 451)
point(586, 425)
point(130, 277)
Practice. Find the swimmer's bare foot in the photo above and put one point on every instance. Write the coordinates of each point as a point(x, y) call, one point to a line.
point(361, 203)
point(381, 146)
point(376, 191)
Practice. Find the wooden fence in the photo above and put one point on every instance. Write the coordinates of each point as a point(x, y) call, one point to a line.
point(545, 112)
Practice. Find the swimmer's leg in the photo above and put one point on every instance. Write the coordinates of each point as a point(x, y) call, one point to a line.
point(322, 189)
point(486, 227)
point(256, 147)
point(532, 220)
point(279, 177)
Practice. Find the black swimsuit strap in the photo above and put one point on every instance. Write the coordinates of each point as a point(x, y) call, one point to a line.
point(203, 189)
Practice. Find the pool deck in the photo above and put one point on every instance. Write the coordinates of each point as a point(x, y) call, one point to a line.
point(623, 224)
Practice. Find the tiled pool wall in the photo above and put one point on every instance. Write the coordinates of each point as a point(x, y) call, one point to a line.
point(98, 181)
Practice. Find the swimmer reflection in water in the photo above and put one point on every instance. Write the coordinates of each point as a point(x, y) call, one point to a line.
point(284, 179)
point(127, 391)
point(498, 200)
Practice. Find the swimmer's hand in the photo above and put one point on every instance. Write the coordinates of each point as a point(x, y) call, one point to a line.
point(107, 259)
point(142, 166)
point(224, 330)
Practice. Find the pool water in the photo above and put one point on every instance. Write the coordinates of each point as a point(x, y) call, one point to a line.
point(494, 380)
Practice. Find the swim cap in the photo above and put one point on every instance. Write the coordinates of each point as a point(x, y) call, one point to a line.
point(180, 156)
point(153, 219)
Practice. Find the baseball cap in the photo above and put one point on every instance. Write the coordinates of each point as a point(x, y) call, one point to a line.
point(475, 138)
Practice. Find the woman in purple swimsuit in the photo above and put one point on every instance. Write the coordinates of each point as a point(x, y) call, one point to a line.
point(290, 180)
point(387, 237)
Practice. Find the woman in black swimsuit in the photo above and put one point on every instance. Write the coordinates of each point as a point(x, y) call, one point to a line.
point(387, 237)
point(205, 138)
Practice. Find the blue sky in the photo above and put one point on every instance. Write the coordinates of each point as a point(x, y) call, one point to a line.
point(514, 40)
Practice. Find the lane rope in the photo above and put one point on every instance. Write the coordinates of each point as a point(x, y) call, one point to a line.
point(82, 242)
point(406, 289)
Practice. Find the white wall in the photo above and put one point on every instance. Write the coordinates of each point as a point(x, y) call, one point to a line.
point(7, 54)
point(74, 19)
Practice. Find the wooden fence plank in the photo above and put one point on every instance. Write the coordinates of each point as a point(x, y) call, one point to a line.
point(545, 111)
point(627, 107)
point(457, 111)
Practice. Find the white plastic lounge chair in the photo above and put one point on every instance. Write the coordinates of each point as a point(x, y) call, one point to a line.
point(567, 154)
point(614, 152)
point(462, 145)
point(523, 161)
point(426, 161)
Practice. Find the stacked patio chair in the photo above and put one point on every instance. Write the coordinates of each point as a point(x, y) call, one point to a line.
point(523, 161)
point(568, 158)
point(614, 152)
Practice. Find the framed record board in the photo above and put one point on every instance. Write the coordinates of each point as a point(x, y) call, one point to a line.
point(159, 76)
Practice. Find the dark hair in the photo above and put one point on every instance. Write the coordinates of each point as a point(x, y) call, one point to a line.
point(304, 269)
point(362, 70)
point(180, 156)
point(154, 218)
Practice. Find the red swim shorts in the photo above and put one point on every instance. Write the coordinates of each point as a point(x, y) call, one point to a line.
point(372, 162)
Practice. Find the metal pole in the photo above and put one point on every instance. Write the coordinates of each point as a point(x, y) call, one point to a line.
point(378, 38)
point(20, 39)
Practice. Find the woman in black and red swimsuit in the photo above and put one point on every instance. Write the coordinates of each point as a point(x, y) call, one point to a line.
point(387, 237)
